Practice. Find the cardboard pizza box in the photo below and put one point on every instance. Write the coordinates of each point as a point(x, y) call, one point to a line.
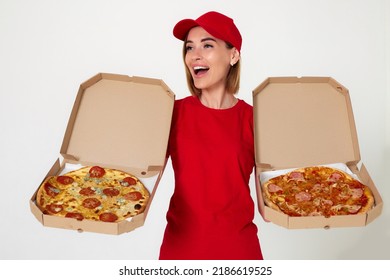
point(302, 122)
point(118, 122)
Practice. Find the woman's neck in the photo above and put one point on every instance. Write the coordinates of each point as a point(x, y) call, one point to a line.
point(215, 100)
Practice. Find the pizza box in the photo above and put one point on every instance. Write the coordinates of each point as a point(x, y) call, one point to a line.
point(307, 121)
point(118, 122)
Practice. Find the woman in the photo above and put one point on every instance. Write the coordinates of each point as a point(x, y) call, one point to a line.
point(211, 146)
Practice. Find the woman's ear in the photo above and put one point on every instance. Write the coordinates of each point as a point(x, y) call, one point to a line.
point(235, 57)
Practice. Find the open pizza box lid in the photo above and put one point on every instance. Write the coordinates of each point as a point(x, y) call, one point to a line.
point(301, 122)
point(118, 122)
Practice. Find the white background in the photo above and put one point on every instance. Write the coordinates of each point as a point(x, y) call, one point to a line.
point(47, 48)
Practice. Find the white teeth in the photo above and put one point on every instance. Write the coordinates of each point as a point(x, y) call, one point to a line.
point(200, 67)
point(197, 69)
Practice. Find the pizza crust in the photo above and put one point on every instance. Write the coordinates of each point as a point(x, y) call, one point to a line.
point(371, 201)
point(272, 205)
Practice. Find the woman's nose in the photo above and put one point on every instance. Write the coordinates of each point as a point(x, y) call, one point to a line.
point(196, 55)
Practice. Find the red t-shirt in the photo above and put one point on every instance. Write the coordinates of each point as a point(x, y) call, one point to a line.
point(211, 211)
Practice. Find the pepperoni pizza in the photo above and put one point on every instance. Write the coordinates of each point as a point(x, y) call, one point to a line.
point(317, 191)
point(93, 193)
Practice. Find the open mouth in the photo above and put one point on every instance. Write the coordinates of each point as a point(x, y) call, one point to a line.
point(200, 69)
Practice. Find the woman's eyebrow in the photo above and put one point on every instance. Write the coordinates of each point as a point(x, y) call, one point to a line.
point(208, 39)
point(203, 40)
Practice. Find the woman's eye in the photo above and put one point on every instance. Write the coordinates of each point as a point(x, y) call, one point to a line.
point(188, 48)
point(207, 46)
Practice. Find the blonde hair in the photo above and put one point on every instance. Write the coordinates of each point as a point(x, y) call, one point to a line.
point(232, 79)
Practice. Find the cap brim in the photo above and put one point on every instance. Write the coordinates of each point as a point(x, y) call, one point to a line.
point(181, 29)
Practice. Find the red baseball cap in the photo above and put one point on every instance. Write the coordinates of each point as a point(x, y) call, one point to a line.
point(217, 24)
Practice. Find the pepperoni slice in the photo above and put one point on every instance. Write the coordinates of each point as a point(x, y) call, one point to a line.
point(50, 190)
point(273, 188)
point(357, 193)
point(108, 217)
point(134, 196)
point(87, 191)
point(111, 192)
point(303, 196)
point(96, 172)
point(296, 176)
point(128, 181)
point(334, 177)
point(74, 215)
point(65, 180)
point(91, 203)
point(353, 209)
point(54, 208)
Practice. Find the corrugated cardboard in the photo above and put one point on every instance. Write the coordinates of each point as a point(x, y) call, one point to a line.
point(302, 122)
point(117, 122)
